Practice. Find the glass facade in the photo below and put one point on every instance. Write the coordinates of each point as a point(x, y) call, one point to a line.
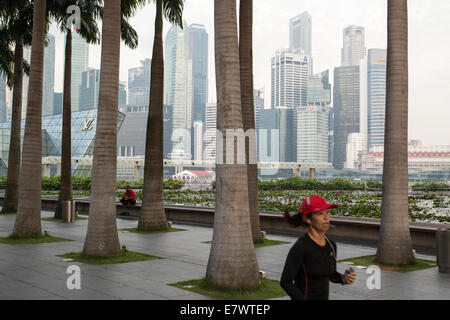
point(83, 133)
point(80, 58)
point(346, 110)
point(178, 90)
point(139, 84)
point(49, 77)
point(376, 85)
point(2, 97)
point(89, 89)
point(319, 89)
point(270, 120)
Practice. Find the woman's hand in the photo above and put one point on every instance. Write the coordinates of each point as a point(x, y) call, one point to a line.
point(349, 278)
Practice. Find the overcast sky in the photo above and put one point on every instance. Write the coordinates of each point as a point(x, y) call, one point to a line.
point(429, 48)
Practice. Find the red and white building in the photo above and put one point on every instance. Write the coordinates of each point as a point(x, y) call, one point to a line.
point(194, 177)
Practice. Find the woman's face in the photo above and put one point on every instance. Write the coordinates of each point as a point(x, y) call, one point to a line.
point(320, 220)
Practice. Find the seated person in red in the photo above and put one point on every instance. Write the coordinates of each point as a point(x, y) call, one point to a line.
point(129, 198)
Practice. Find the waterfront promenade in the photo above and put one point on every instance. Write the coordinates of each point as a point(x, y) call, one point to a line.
point(35, 272)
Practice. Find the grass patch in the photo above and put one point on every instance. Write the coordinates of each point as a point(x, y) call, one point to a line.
point(12, 239)
point(6, 213)
point(415, 265)
point(267, 289)
point(125, 256)
point(264, 242)
point(53, 219)
point(168, 229)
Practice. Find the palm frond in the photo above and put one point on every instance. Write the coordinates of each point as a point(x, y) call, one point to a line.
point(173, 11)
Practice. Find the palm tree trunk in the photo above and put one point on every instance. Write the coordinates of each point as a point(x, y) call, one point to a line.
point(12, 180)
point(394, 245)
point(102, 238)
point(232, 260)
point(152, 216)
point(65, 193)
point(28, 218)
point(248, 109)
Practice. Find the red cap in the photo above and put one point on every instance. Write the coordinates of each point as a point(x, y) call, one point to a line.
point(315, 204)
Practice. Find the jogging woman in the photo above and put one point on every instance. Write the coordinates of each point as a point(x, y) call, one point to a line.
point(311, 262)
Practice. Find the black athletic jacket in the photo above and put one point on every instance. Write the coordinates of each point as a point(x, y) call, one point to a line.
point(308, 270)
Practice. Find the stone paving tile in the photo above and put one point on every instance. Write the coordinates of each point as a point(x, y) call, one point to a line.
point(131, 293)
point(36, 267)
point(192, 296)
point(31, 293)
point(13, 284)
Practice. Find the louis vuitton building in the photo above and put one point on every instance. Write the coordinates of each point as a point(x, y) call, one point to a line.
point(83, 136)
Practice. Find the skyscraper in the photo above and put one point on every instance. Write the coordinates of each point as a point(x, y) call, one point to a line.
point(89, 89)
point(122, 95)
point(27, 58)
point(48, 84)
point(80, 60)
point(57, 102)
point(2, 97)
point(289, 75)
point(376, 85)
point(197, 52)
point(318, 89)
point(258, 103)
point(300, 33)
point(178, 91)
point(209, 137)
point(346, 97)
point(313, 121)
point(312, 133)
point(353, 49)
point(167, 128)
point(139, 84)
point(276, 135)
point(49, 77)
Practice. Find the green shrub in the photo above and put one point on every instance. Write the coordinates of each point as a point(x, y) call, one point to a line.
point(297, 183)
point(3, 182)
point(173, 184)
point(51, 183)
point(81, 183)
point(431, 186)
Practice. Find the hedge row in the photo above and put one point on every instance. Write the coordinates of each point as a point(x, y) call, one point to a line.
point(431, 186)
point(84, 183)
point(297, 183)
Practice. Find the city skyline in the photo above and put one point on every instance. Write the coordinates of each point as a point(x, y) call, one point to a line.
point(329, 18)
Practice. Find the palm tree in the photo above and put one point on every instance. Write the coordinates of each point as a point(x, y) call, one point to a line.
point(248, 109)
point(232, 260)
point(89, 11)
point(152, 216)
point(394, 245)
point(28, 218)
point(102, 238)
point(17, 30)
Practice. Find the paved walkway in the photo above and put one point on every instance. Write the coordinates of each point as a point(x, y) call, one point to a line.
point(35, 272)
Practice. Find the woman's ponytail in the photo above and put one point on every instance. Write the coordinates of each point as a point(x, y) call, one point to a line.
point(294, 220)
